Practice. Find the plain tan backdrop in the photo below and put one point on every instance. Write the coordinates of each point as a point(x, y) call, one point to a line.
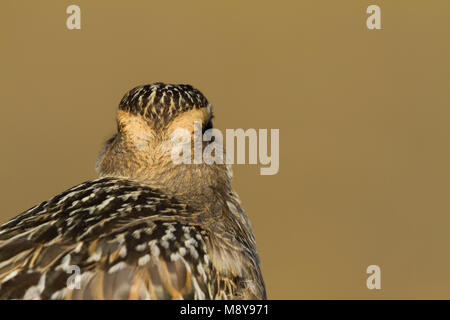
point(364, 119)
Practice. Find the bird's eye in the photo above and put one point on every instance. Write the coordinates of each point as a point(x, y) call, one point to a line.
point(208, 126)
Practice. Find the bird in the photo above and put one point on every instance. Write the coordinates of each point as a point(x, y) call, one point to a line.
point(146, 227)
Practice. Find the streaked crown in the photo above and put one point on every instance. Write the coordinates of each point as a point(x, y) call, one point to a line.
point(161, 103)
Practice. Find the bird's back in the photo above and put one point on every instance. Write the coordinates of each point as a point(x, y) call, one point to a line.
point(116, 239)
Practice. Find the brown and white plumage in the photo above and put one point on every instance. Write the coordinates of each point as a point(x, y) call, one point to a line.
point(147, 228)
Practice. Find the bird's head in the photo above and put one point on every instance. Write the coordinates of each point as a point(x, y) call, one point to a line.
point(162, 108)
point(149, 119)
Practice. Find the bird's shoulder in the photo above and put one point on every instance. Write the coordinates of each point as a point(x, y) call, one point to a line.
point(120, 238)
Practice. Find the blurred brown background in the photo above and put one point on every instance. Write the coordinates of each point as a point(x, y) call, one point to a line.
point(364, 119)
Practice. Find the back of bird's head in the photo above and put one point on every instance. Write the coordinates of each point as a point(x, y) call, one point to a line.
point(160, 104)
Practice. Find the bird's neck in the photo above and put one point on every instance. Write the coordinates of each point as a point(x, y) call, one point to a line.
point(198, 183)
